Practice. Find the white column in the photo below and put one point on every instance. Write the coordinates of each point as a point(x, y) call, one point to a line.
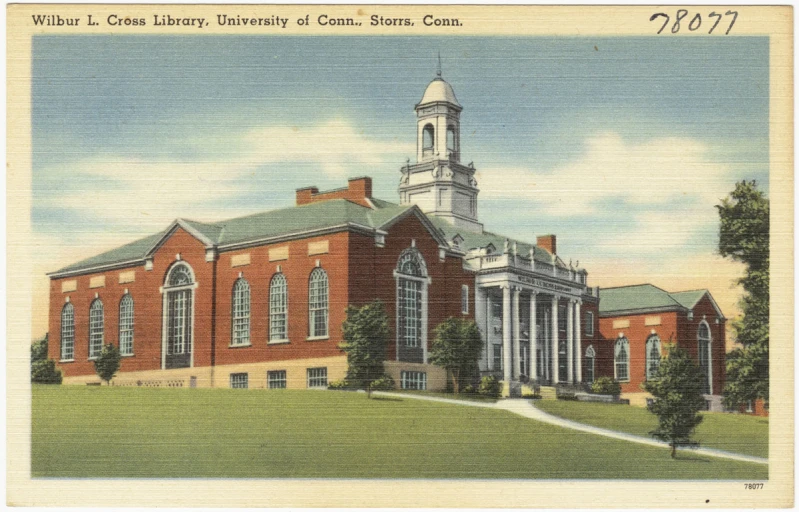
point(533, 340)
point(570, 342)
point(506, 333)
point(579, 342)
point(516, 346)
point(545, 345)
point(555, 355)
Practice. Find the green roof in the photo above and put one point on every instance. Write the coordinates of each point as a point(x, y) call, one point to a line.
point(642, 296)
point(690, 298)
point(475, 240)
point(251, 228)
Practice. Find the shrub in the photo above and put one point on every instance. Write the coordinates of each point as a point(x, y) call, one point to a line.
point(489, 386)
point(606, 386)
point(469, 389)
point(339, 384)
point(45, 372)
point(571, 397)
point(531, 396)
point(107, 363)
point(384, 383)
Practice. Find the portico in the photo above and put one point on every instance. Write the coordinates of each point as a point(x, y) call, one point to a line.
point(529, 312)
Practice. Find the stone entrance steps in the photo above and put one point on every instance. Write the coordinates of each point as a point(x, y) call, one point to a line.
point(548, 393)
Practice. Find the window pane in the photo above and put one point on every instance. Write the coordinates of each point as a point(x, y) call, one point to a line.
point(278, 308)
point(96, 328)
point(413, 380)
point(276, 379)
point(126, 326)
point(68, 332)
point(239, 380)
point(317, 377)
point(317, 303)
point(241, 313)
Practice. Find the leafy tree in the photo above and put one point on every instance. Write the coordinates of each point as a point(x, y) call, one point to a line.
point(456, 347)
point(677, 392)
point(107, 363)
point(744, 237)
point(43, 370)
point(366, 336)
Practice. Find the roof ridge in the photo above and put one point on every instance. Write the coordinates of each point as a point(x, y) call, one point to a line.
point(630, 286)
point(694, 290)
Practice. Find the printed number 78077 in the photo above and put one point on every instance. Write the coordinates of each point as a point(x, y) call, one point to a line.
point(753, 487)
point(695, 22)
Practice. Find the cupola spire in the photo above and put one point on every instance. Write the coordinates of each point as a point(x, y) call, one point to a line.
point(438, 69)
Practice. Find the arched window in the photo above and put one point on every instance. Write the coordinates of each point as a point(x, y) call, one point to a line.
point(411, 275)
point(178, 299)
point(590, 359)
point(428, 136)
point(241, 313)
point(278, 308)
point(67, 332)
point(95, 328)
point(703, 340)
point(126, 325)
point(652, 356)
point(621, 357)
point(317, 303)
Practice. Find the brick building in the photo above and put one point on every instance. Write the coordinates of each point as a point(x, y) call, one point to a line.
point(258, 301)
point(636, 322)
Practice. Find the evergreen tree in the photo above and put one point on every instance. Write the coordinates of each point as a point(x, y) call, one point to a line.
point(366, 336)
point(456, 347)
point(744, 237)
point(43, 370)
point(107, 363)
point(677, 392)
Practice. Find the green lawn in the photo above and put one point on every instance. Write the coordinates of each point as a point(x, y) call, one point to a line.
point(731, 432)
point(146, 432)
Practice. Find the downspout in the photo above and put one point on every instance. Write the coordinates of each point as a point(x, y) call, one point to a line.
point(213, 319)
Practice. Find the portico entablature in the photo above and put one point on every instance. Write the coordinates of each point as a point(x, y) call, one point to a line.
point(528, 284)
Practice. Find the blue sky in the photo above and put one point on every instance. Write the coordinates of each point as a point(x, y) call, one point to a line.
point(620, 146)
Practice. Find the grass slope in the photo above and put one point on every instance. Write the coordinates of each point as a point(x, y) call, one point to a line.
point(136, 432)
point(731, 432)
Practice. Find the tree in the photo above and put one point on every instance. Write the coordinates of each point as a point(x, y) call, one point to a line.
point(107, 363)
point(744, 237)
point(43, 370)
point(677, 392)
point(456, 347)
point(366, 336)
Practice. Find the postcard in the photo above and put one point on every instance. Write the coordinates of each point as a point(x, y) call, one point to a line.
point(400, 256)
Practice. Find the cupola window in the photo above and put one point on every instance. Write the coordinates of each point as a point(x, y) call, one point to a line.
point(428, 136)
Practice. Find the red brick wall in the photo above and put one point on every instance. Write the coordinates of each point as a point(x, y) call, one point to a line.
point(357, 270)
point(637, 333)
point(147, 309)
point(680, 329)
point(373, 275)
point(297, 270)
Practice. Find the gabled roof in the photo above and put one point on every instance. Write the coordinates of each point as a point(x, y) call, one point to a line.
point(263, 227)
point(474, 240)
point(646, 297)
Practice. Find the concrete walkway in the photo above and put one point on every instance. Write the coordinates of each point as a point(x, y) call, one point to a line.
point(526, 408)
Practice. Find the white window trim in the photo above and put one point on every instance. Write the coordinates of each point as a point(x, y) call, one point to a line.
point(311, 324)
point(425, 281)
point(61, 340)
point(233, 315)
point(102, 328)
point(132, 326)
point(284, 380)
point(647, 359)
point(164, 290)
point(709, 354)
point(308, 378)
point(465, 288)
point(285, 313)
point(615, 364)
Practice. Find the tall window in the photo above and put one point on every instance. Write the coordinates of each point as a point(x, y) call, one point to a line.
point(67, 332)
point(278, 308)
point(589, 323)
point(410, 281)
point(126, 325)
point(427, 137)
point(652, 356)
point(590, 360)
point(465, 299)
point(703, 338)
point(317, 303)
point(241, 313)
point(178, 292)
point(622, 359)
point(95, 328)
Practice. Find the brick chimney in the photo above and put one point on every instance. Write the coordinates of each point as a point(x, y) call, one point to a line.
point(358, 191)
point(548, 242)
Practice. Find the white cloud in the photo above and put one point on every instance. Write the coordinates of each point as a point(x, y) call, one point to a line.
point(656, 172)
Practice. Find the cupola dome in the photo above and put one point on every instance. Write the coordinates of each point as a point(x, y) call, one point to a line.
point(439, 90)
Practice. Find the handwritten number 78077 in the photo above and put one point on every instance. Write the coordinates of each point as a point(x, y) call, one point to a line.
point(681, 21)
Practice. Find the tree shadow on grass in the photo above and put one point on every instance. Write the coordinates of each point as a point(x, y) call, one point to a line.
point(690, 457)
point(387, 398)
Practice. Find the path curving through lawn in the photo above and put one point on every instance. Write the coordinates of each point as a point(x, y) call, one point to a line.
point(525, 408)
